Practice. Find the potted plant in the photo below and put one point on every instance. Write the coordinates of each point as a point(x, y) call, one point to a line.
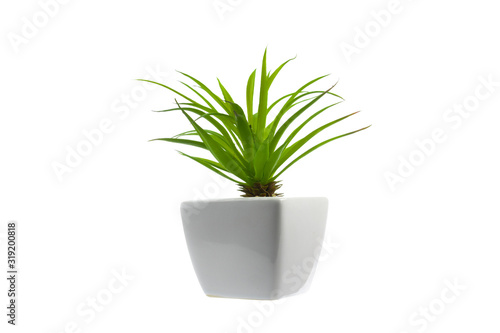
point(250, 247)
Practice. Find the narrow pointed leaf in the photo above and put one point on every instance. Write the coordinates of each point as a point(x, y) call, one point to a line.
point(261, 157)
point(249, 95)
point(277, 70)
point(297, 145)
point(297, 130)
point(183, 141)
point(171, 89)
point(201, 96)
point(211, 165)
point(262, 110)
point(287, 123)
point(288, 105)
point(226, 95)
point(314, 148)
point(208, 91)
point(224, 158)
point(245, 132)
point(216, 114)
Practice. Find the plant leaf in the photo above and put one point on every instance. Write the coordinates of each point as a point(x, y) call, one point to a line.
point(171, 89)
point(245, 132)
point(228, 135)
point(201, 96)
point(316, 147)
point(211, 165)
point(226, 95)
point(287, 123)
point(297, 145)
point(183, 141)
point(262, 110)
point(297, 130)
point(288, 105)
point(249, 95)
point(261, 157)
point(209, 92)
point(216, 114)
point(277, 70)
point(225, 159)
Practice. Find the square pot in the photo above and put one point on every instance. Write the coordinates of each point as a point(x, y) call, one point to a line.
point(254, 248)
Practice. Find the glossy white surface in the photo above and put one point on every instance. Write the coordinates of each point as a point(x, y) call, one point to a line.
point(255, 248)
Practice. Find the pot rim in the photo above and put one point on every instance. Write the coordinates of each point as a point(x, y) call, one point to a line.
point(252, 199)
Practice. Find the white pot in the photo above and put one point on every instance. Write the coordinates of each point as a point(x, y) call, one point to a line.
point(255, 248)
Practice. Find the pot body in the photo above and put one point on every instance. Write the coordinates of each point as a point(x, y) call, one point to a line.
point(254, 248)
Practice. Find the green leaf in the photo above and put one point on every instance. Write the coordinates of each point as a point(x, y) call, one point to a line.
point(276, 72)
point(183, 141)
point(209, 92)
point(272, 163)
point(250, 91)
point(216, 136)
point(262, 110)
point(316, 147)
point(226, 95)
point(216, 114)
point(300, 99)
point(187, 133)
point(227, 121)
point(224, 158)
point(245, 132)
point(261, 157)
point(288, 105)
point(227, 134)
point(297, 145)
point(297, 130)
point(167, 87)
point(201, 96)
point(268, 129)
point(287, 123)
point(297, 99)
point(211, 165)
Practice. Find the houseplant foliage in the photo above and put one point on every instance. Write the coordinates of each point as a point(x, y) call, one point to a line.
point(249, 146)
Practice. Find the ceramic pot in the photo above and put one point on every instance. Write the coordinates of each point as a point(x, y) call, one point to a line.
point(254, 248)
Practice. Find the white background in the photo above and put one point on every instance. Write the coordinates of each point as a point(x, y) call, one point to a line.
point(119, 208)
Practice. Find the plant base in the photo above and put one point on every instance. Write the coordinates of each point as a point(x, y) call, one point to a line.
point(260, 190)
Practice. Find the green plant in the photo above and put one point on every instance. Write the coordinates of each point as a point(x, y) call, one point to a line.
point(249, 146)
